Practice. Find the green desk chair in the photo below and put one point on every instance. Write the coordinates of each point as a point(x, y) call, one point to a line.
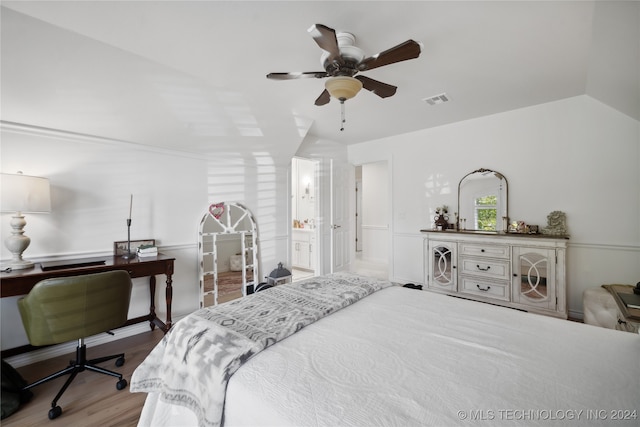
point(63, 309)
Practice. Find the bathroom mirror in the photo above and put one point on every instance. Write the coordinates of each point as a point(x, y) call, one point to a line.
point(228, 253)
point(482, 201)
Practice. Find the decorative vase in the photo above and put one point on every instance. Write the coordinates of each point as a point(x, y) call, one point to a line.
point(441, 222)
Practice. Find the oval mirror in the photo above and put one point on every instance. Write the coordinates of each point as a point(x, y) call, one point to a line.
point(482, 201)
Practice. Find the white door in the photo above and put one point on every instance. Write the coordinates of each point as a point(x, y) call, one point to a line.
point(342, 181)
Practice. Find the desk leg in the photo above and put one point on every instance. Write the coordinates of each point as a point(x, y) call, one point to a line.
point(153, 318)
point(168, 297)
point(152, 309)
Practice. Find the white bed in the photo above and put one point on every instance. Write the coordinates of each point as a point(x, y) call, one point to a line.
point(403, 357)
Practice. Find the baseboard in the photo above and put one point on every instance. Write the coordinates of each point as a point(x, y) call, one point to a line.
point(70, 347)
point(576, 315)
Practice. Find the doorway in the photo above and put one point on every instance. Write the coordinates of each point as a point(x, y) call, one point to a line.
point(304, 212)
point(372, 215)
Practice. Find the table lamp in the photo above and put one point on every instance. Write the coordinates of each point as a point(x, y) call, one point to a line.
point(22, 194)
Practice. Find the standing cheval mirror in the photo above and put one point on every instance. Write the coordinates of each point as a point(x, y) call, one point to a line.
point(228, 253)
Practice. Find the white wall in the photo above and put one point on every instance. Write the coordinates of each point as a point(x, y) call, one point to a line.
point(91, 183)
point(575, 155)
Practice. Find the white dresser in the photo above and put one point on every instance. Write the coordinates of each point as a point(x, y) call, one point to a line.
point(521, 271)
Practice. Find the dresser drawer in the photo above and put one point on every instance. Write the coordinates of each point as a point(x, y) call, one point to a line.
point(488, 250)
point(486, 289)
point(483, 267)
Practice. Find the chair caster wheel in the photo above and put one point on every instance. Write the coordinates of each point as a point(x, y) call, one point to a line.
point(120, 361)
point(55, 412)
point(121, 384)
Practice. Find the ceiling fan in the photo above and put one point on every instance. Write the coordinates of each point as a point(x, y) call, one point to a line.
point(342, 61)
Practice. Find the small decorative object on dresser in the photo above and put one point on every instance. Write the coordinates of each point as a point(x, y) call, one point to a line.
point(441, 220)
point(556, 224)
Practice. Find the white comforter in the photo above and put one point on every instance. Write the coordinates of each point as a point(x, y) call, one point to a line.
point(402, 357)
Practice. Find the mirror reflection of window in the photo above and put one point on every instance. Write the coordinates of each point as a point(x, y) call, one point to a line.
point(486, 212)
point(482, 201)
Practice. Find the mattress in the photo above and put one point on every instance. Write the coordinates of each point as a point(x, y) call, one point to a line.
point(412, 358)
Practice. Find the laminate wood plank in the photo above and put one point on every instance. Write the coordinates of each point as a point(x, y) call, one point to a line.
point(92, 399)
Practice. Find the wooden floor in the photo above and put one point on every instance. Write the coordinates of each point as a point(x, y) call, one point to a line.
point(92, 399)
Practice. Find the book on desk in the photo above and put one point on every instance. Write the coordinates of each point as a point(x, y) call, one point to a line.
point(630, 300)
point(147, 251)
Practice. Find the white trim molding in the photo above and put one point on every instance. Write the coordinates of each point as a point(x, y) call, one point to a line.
point(26, 129)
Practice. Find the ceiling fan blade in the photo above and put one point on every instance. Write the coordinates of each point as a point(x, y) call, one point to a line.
point(325, 37)
point(402, 52)
point(297, 75)
point(323, 99)
point(383, 90)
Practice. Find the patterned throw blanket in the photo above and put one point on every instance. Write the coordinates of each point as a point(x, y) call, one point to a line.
point(193, 363)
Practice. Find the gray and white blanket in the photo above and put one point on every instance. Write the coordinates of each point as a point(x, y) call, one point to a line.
point(193, 363)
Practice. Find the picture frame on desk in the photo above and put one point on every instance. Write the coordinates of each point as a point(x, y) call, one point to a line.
point(120, 248)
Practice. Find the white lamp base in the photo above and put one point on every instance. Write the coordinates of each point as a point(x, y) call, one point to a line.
point(17, 243)
point(20, 264)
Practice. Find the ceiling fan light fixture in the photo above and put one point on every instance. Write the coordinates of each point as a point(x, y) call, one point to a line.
point(343, 87)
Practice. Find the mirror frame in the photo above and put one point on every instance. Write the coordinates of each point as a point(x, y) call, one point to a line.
point(241, 224)
point(500, 226)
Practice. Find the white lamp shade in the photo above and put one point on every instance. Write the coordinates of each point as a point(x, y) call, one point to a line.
point(24, 193)
point(343, 87)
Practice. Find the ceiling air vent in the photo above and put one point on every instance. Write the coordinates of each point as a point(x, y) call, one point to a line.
point(438, 99)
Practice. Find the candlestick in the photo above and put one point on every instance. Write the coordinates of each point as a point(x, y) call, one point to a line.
point(128, 254)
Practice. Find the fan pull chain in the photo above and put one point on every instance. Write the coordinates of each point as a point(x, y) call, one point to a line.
point(342, 119)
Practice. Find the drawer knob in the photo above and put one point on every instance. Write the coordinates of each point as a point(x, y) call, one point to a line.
point(483, 269)
point(481, 250)
point(483, 289)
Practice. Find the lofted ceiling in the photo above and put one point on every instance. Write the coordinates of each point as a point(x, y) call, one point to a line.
point(190, 75)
